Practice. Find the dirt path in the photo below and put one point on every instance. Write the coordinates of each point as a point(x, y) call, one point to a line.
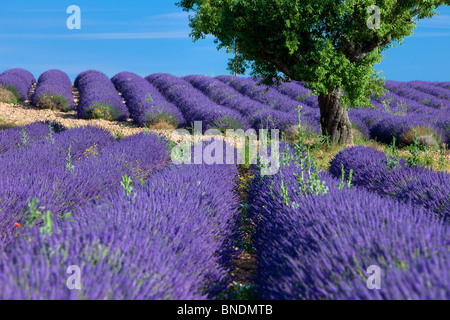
point(24, 114)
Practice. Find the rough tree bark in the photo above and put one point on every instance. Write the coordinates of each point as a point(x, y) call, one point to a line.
point(334, 118)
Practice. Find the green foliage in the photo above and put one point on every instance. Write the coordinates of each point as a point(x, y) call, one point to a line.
point(155, 117)
point(227, 122)
point(312, 184)
point(62, 103)
point(69, 165)
point(127, 184)
point(349, 181)
point(103, 111)
point(414, 159)
point(325, 43)
point(441, 162)
point(149, 98)
point(8, 95)
point(36, 216)
point(24, 137)
point(392, 156)
point(50, 137)
point(118, 136)
point(16, 94)
point(300, 134)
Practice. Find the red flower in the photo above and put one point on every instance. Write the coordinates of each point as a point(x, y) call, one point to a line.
point(18, 225)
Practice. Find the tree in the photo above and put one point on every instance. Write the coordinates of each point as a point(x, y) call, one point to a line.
point(331, 45)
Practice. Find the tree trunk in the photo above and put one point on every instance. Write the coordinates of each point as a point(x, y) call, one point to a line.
point(334, 118)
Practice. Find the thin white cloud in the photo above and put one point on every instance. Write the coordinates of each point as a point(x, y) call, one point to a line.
point(167, 20)
point(173, 15)
point(136, 35)
point(181, 34)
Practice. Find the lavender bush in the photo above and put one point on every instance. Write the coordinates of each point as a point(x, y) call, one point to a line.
point(417, 185)
point(22, 137)
point(18, 81)
point(424, 98)
point(54, 91)
point(163, 241)
point(296, 91)
point(258, 114)
point(325, 242)
point(99, 98)
point(428, 88)
point(146, 104)
point(271, 97)
point(195, 106)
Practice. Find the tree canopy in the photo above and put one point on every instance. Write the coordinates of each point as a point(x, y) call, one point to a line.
point(326, 43)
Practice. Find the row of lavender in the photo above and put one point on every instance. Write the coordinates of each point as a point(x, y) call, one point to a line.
point(228, 102)
point(99, 98)
point(18, 81)
point(417, 185)
point(53, 91)
point(325, 240)
point(256, 113)
point(329, 241)
point(408, 106)
point(166, 237)
point(239, 103)
point(145, 103)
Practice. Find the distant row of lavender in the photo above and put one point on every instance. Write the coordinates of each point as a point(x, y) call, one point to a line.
point(296, 91)
point(398, 114)
point(274, 99)
point(417, 185)
point(239, 103)
point(320, 246)
point(414, 106)
point(99, 98)
point(166, 240)
point(18, 81)
point(432, 129)
point(54, 91)
point(428, 95)
point(267, 96)
point(256, 113)
point(145, 103)
point(195, 106)
point(429, 88)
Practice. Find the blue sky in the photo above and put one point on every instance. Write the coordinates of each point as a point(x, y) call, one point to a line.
point(153, 36)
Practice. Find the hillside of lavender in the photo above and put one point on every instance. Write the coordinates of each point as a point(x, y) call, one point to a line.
point(140, 226)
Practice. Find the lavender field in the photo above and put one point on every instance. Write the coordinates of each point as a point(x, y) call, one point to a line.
point(140, 226)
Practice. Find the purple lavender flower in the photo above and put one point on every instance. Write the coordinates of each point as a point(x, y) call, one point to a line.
point(54, 90)
point(258, 114)
point(164, 242)
point(195, 106)
point(419, 186)
point(404, 90)
point(325, 243)
point(99, 98)
point(18, 81)
point(146, 104)
point(268, 96)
